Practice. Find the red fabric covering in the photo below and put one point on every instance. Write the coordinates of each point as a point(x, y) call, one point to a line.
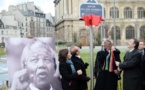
point(87, 20)
point(92, 20)
point(96, 20)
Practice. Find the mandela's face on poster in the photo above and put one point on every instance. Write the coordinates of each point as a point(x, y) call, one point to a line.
point(39, 63)
point(38, 67)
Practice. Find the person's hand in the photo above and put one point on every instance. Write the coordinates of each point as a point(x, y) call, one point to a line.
point(116, 72)
point(119, 69)
point(79, 72)
point(113, 48)
point(21, 80)
point(87, 79)
point(86, 65)
point(117, 63)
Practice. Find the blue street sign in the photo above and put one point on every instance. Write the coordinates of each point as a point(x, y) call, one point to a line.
point(91, 8)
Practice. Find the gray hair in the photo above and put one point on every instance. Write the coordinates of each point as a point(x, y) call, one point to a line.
point(36, 44)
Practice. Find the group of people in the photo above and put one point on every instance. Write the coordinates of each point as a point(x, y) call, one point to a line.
point(39, 71)
point(72, 69)
point(108, 66)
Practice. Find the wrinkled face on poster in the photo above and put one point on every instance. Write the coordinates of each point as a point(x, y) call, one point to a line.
point(38, 68)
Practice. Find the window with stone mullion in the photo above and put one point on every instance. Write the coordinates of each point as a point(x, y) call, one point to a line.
point(112, 12)
point(142, 31)
point(130, 32)
point(127, 12)
point(141, 12)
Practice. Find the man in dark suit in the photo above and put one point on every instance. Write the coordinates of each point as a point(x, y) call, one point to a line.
point(142, 50)
point(79, 65)
point(131, 67)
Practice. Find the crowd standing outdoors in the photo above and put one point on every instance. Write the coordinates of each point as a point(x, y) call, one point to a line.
point(108, 67)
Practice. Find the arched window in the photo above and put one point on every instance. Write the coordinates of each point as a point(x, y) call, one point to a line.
point(117, 32)
point(130, 32)
point(141, 12)
point(142, 31)
point(112, 12)
point(127, 12)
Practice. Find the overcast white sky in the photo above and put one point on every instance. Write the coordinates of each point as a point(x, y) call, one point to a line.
point(47, 6)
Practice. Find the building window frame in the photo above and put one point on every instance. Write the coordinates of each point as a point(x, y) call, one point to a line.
point(141, 12)
point(112, 12)
point(142, 30)
point(127, 12)
point(130, 32)
point(118, 32)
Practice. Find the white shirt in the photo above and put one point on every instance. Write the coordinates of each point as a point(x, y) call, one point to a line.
point(131, 50)
point(32, 87)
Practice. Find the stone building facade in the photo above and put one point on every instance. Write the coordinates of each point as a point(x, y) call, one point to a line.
point(130, 20)
point(24, 20)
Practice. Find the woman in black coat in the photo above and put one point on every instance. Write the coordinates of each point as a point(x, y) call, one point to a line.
point(67, 70)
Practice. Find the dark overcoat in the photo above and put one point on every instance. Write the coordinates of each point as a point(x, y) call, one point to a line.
point(143, 70)
point(68, 80)
point(82, 79)
point(132, 70)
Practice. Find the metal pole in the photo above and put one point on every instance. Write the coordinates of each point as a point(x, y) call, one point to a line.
point(104, 33)
point(91, 59)
point(104, 36)
point(101, 32)
point(0, 52)
point(114, 24)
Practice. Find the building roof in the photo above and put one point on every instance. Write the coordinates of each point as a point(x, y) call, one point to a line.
point(27, 13)
point(40, 15)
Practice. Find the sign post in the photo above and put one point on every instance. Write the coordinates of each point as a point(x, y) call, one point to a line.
point(96, 9)
point(91, 59)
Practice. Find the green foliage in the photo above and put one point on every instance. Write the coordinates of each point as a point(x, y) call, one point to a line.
point(60, 43)
point(2, 51)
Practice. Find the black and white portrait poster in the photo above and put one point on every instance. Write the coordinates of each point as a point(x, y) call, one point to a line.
point(32, 64)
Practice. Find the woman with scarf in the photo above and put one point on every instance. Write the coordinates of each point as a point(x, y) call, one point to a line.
point(67, 71)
